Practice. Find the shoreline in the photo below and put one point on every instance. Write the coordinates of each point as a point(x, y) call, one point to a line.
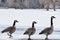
point(27, 39)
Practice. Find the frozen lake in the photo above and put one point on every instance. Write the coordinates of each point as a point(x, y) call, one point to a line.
point(25, 18)
point(19, 34)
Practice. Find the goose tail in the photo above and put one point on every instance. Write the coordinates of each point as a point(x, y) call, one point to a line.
point(41, 33)
point(25, 33)
point(2, 31)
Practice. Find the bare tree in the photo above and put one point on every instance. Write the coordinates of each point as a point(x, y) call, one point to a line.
point(48, 2)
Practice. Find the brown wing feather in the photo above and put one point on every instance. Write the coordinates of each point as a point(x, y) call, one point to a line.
point(46, 30)
point(27, 31)
point(7, 29)
point(30, 31)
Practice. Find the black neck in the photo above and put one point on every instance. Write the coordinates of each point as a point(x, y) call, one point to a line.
point(32, 25)
point(14, 23)
point(51, 21)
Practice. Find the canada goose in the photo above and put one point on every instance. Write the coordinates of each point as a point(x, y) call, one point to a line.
point(47, 31)
point(10, 29)
point(30, 31)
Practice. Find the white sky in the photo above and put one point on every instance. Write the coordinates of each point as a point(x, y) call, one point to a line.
point(25, 17)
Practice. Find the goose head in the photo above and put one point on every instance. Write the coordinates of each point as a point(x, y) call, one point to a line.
point(53, 17)
point(34, 22)
point(15, 21)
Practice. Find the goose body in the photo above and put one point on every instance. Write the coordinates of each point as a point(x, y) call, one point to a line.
point(47, 31)
point(30, 31)
point(10, 29)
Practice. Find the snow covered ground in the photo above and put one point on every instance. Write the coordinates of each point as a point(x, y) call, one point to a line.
point(25, 18)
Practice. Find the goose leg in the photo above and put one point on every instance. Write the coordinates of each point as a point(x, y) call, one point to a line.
point(9, 35)
point(29, 38)
point(46, 37)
